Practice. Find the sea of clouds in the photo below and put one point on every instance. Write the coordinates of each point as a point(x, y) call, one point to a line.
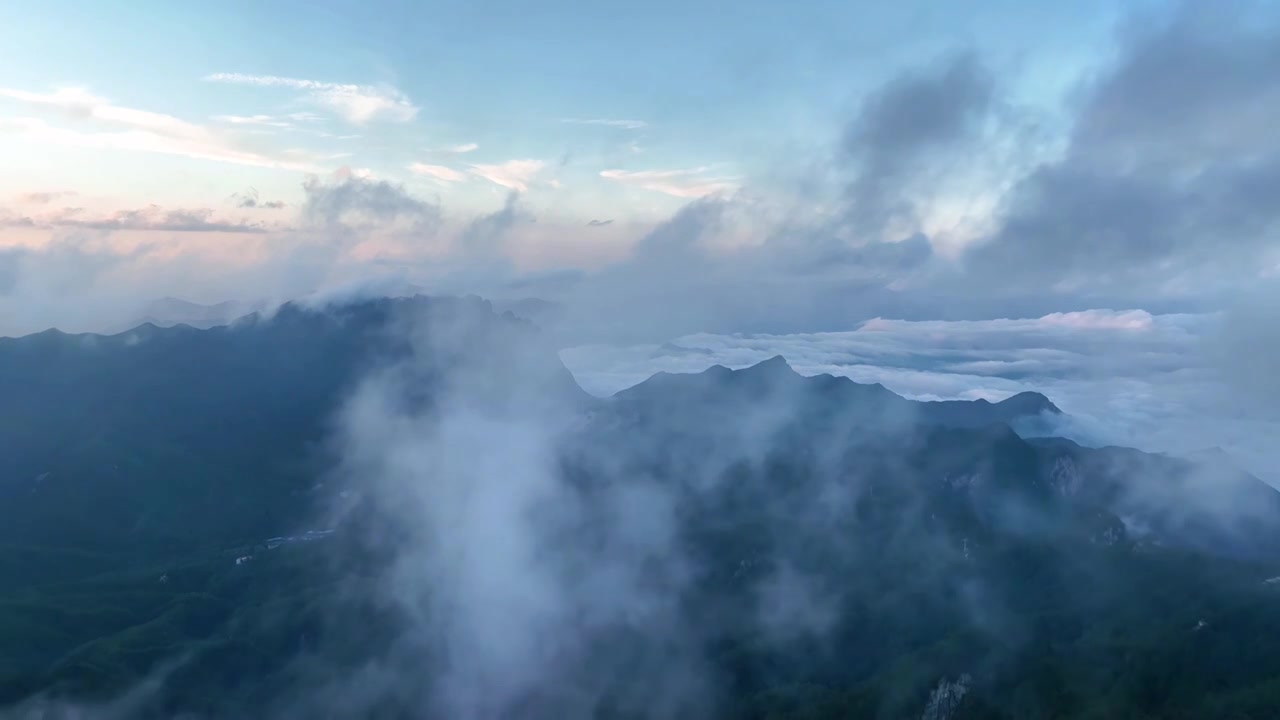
point(1123, 377)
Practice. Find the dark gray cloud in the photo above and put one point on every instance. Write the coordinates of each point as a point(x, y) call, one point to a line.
point(153, 218)
point(1199, 84)
point(1171, 171)
point(1161, 197)
point(150, 218)
point(677, 281)
point(485, 234)
point(553, 283)
point(877, 259)
point(251, 200)
point(44, 198)
point(906, 133)
point(669, 280)
point(339, 213)
point(813, 270)
point(1245, 347)
point(353, 202)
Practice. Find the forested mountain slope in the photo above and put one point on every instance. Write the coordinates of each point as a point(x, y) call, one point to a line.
point(407, 508)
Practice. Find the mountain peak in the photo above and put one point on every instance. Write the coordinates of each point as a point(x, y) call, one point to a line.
point(774, 366)
point(1030, 403)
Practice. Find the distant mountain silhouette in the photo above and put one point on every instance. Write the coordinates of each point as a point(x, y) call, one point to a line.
point(719, 389)
point(170, 311)
point(155, 430)
point(830, 548)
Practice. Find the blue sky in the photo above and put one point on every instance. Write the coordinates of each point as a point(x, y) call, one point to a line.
point(786, 172)
point(700, 95)
point(746, 166)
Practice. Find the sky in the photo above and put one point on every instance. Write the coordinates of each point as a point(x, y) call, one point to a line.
point(588, 108)
point(590, 111)
point(663, 170)
point(956, 200)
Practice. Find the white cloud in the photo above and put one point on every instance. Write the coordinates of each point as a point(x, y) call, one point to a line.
point(40, 132)
point(460, 149)
point(260, 120)
point(512, 174)
point(620, 124)
point(136, 130)
point(1126, 377)
point(687, 183)
point(439, 172)
point(81, 104)
point(290, 120)
point(357, 104)
point(1101, 319)
point(345, 172)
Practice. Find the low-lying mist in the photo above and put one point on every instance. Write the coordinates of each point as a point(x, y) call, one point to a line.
point(498, 543)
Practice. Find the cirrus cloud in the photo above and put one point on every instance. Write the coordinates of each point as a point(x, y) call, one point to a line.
point(512, 174)
point(689, 183)
point(439, 172)
point(606, 122)
point(357, 104)
point(133, 129)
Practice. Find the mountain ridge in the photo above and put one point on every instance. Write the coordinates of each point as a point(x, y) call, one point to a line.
point(151, 492)
point(775, 376)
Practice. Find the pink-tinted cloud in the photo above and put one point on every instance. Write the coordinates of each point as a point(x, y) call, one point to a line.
point(688, 183)
point(512, 174)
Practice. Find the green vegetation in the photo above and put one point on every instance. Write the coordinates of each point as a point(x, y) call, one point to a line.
point(969, 574)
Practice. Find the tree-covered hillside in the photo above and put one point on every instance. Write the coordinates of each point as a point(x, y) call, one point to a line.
point(408, 509)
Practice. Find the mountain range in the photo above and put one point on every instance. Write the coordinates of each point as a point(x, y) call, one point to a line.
point(171, 311)
point(188, 527)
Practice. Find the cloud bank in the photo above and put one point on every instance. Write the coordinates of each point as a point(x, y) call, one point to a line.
point(1156, 196)
point(939, 197)
point(1124, 377)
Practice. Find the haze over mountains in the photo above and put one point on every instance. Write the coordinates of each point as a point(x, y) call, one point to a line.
point(170, 311)
point(885, 361)
point(1130, 378)
point(404, 506)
